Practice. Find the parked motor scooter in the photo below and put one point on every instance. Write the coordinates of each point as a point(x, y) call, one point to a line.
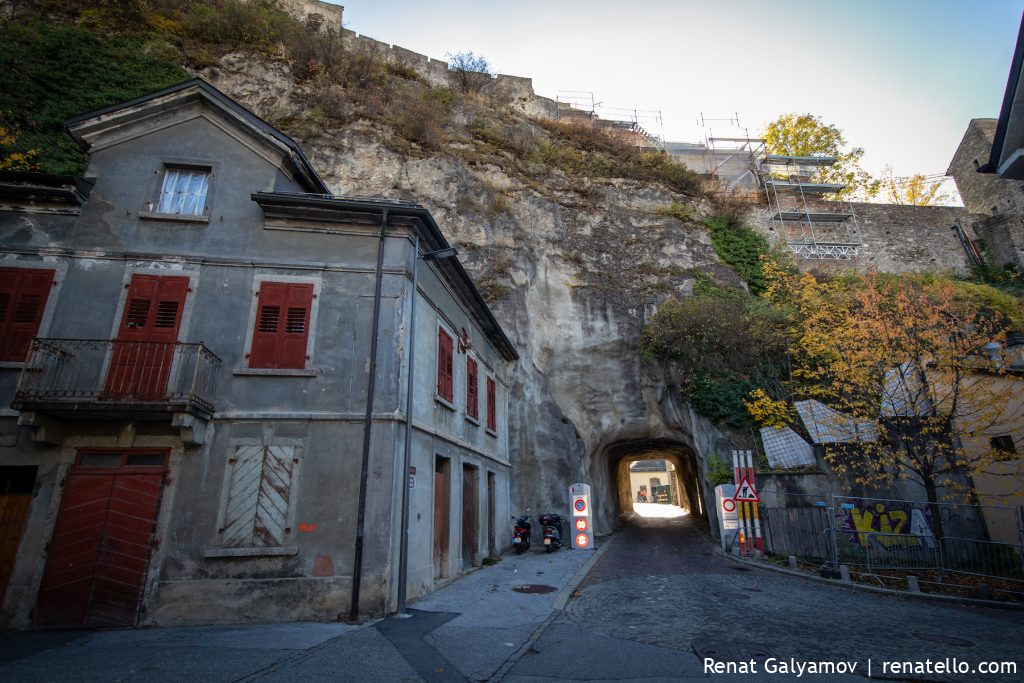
point(521, 534)
point(552, 531)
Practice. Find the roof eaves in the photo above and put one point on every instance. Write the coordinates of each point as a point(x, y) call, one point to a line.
point(296, 156)
point(434, 238)
point(1012, 81)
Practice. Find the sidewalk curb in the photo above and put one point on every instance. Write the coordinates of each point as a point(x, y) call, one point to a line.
point(556, 608)
point(562, 599)
point(973, 602)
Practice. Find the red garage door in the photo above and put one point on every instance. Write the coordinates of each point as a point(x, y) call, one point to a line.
point(101, 542)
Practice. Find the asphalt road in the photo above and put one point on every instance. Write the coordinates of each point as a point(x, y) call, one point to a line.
point(655, 600)
point(662, 593)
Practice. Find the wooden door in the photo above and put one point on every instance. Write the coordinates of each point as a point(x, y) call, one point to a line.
point(144, 349)
point(441, 515)
point(470, 517)
point(99, 553)
point(16, 484)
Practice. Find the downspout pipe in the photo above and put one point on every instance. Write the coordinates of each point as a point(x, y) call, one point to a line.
point(357, 564)
point(403, 560)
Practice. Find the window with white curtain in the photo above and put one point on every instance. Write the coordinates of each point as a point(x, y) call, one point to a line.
point(184, 191)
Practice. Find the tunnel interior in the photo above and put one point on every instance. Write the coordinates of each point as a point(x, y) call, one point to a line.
point(680, 472)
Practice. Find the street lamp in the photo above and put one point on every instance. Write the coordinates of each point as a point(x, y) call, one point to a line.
point(403, 557)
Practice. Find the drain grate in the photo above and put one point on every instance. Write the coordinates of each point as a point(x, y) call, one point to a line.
point(730, 652)
point(943, 639)
point(741, 569)
point(534, 588)
point(753, 590)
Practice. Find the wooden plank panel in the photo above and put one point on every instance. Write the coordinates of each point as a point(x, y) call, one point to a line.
point(242, 497)
point(274, 492)
point(71, 561)
point(100, 550)
point(13, 512)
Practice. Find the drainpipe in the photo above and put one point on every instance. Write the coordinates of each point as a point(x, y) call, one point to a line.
point(357, 564)
point(403, 539)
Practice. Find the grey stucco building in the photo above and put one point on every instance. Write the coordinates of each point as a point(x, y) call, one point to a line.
point(204, 378)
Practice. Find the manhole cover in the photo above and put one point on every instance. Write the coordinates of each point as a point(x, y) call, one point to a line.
point(753, 590)
point(942, 639)
point(534, 588)
point(730, 652)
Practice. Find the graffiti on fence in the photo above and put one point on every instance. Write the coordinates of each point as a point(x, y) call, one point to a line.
point(905, 524)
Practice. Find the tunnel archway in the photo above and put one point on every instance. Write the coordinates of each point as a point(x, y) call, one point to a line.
point(682, 466)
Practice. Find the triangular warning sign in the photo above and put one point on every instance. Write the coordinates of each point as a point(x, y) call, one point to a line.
point(745, 492)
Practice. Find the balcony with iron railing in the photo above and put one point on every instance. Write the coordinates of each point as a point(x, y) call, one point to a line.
point(80, 378)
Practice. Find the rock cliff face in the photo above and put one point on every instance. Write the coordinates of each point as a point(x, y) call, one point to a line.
point(571, 271)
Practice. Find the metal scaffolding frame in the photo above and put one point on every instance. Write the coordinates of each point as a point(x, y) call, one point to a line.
point(736, 149)
point(813, 227)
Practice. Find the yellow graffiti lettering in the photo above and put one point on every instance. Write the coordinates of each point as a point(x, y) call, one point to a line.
point(864, 522)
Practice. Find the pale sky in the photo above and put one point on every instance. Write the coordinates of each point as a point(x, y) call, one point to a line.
point(901, 78)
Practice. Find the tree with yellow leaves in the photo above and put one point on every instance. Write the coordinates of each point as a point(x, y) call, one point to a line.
point(12, 158)
point(807, 135)
point(913, 359)
point(917, 190)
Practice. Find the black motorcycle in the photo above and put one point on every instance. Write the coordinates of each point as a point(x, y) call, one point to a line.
point(552, 524)
point(521, 534)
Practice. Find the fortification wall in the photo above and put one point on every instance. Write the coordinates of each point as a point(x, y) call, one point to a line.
point(329, 15)
point(894, 239)
point(907, 239)
point(996, 205)
point(516, 90)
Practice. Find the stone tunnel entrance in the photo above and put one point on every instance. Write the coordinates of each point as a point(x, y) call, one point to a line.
point(664, 472)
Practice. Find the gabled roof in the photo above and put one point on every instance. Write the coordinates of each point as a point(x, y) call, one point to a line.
point(86, 129)
point(1007, 159)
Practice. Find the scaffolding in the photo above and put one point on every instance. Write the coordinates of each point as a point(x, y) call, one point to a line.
point(731, 158)
point(814, 227)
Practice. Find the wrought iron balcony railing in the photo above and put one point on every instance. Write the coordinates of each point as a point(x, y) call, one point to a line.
point(88, 376)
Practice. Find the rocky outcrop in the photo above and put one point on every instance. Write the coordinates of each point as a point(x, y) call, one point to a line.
point(572, 270)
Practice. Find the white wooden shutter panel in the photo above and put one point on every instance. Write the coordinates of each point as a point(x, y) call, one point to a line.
point(275, 490)
point(257, 502)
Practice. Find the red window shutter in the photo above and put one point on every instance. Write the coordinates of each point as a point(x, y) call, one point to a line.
point(281, 330)
point(492, 417)
point(23, 295)
point(444, 365)
point(471, 391)
point(295, 330)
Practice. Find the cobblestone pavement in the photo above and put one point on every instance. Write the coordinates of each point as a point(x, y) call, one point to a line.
point(662, 590)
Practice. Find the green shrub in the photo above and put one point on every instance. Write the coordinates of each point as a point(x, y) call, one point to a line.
point(741, 248)
point(677, 210)
point(716, 471)
point(51, 72)
point(257, 25)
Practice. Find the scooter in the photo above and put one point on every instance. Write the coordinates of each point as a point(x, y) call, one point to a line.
point(521, 534)
point(552, 531)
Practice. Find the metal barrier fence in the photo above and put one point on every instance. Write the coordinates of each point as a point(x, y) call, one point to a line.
point(946, 557)
point(897, 535)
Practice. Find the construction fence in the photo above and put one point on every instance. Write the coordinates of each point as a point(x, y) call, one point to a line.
point(942, 543)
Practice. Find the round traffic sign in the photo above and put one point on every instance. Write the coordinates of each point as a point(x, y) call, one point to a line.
point(581, 540)
point(581, 524)
point(729, 505)
point(580, 505)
